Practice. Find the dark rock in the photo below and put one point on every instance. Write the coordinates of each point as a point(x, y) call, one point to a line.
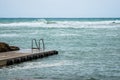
point(13, 48)
point(4, 47)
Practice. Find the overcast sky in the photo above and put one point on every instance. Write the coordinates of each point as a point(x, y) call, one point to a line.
point(60, 8)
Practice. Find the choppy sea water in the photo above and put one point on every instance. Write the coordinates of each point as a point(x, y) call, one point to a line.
point(89, 48)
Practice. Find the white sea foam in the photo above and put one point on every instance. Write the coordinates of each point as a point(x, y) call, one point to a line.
point(20, 24)
point(64, 24)
point(8, 35)
point(32, 65)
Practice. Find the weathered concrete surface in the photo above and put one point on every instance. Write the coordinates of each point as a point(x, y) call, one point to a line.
point(3, 62)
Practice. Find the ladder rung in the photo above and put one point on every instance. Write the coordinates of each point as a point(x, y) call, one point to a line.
point(35, 48)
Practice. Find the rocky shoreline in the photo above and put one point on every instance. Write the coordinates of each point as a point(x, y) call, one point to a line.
point(4, 47)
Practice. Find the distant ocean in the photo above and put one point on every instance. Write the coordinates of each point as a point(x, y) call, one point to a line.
point(89, 48)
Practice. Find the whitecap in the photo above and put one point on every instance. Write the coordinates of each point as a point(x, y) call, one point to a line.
point(64, 24)
point(8, 35)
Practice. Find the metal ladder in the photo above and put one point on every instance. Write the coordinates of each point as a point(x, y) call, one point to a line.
point(38, 45)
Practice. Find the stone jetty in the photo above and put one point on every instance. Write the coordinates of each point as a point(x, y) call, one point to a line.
point(10, 55)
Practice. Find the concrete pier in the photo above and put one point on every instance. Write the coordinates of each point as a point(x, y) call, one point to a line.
point(13, 57)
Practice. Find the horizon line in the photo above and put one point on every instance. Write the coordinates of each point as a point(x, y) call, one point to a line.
point(60, 17)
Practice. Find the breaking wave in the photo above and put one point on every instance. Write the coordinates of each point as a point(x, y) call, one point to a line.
point(63, 24)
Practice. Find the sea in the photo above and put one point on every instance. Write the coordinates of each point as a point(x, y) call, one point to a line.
point(89, 48)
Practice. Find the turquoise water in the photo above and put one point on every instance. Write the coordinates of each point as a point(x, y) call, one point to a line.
point(89, 48)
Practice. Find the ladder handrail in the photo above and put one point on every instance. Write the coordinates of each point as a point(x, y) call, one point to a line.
point(35, 44)
point(38, 44)
point(42, 43)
